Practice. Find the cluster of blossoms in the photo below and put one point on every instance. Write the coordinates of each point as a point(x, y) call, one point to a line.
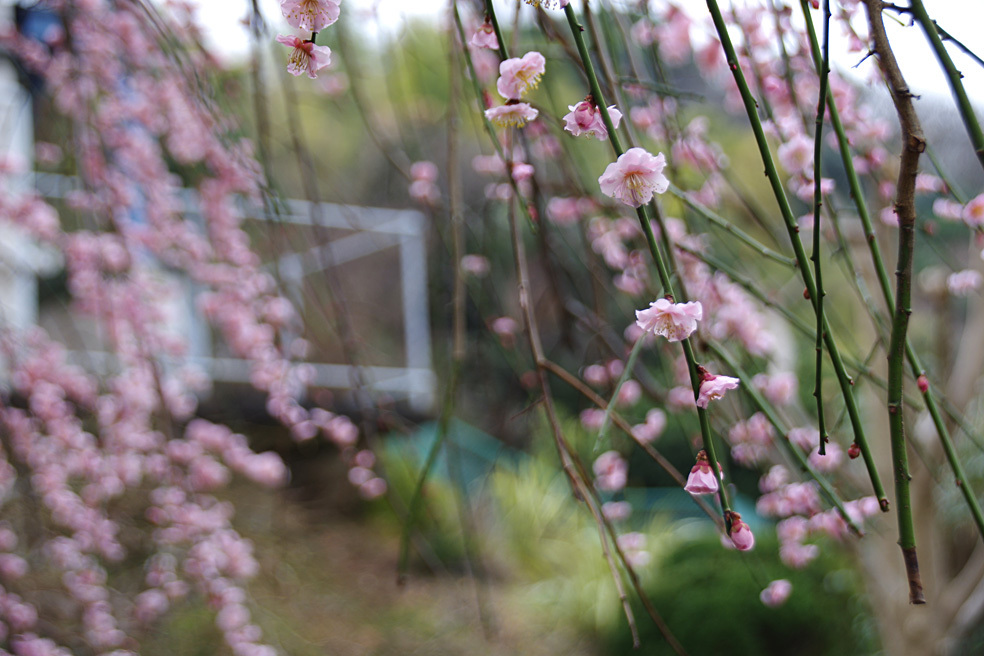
point(91, 448)
point(311, 16)
point(517, 76)
point(423, 183)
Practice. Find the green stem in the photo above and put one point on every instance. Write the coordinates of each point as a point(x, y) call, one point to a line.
point(490, 12)
point(787, 214)
point(953, 76)
point(626, 374)
point(663, 272)
point(722, 223)
point(417, 497)
point(817, 202)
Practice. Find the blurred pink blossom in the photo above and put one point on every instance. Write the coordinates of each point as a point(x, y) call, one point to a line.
point(776, 593)
point(611, 471)
point(962, 283)
point(484, 37)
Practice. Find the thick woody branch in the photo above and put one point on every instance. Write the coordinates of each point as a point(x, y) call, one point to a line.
point(913, 144)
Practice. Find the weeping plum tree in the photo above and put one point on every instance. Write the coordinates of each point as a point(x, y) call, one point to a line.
point(694, 288)
point(107, 466)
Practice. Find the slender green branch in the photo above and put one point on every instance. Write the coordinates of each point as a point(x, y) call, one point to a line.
point(817, 202)
point(787, 214)
point(626, 374)
point(729, 227)
point(663, 272)
point(490, 12)
point(946, 36)
point(664, 90)
point(953, 76)
point(575, 383)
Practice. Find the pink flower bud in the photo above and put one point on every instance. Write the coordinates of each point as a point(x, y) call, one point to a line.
point(701, 479)
point(741, 534)
point(776, 593)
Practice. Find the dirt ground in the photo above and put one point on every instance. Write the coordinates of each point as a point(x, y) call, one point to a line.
point(328, 586)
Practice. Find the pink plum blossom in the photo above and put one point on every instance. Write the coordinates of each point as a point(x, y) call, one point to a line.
point(424, 170)
point(804, 438)
point(779, 388)
point(741, 534)
point(596, 374)
point(592, 418)
point(305, 56)
point(564, 211)
point(680, 398)
point(475, 265)
point(701, 479)
point(629, 394)
point(519, 75)
point(511, 114)
point(798, 555)
point(674, 321)
point(652, 428)
point(423, 176)
point(633, 546)
point(834, 456)
point(926, 183)
point(311, 15)
point(506, 328)
point(962, 283)
point(634, 177)
point(973, 212)
point(796, 155)
point(776, 593)
point(615, 368)
point(616, 511)
point(373, 488)
point(522, 171)
point(484, 37)
point(585, 118)
point(945, 208)
point(714, 387)
point(611, 471)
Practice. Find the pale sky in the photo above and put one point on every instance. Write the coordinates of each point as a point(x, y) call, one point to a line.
point(962, 18)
